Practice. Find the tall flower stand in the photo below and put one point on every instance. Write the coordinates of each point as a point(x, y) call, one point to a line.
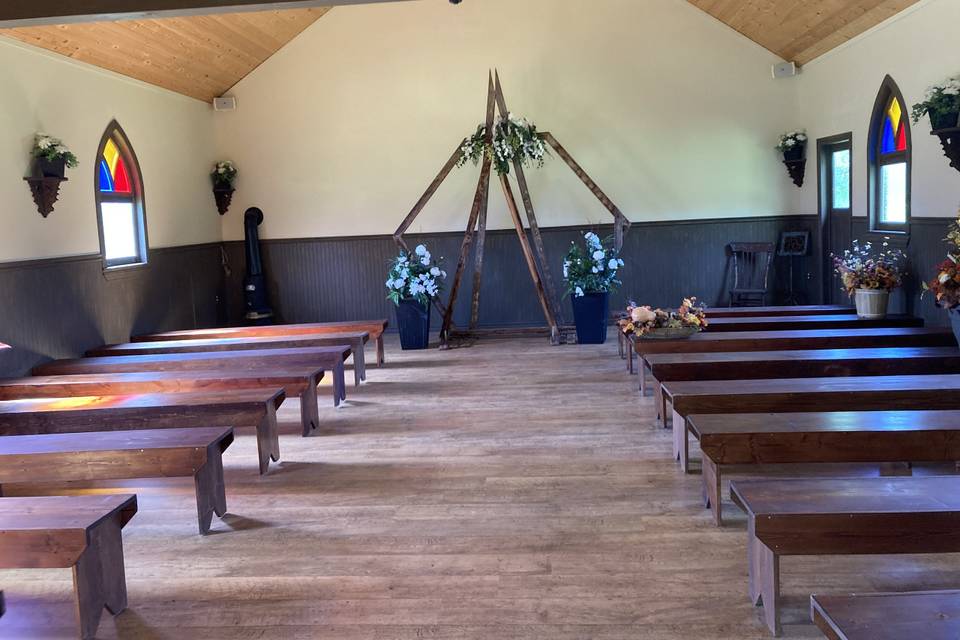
point(413, 320)
point(591, 313)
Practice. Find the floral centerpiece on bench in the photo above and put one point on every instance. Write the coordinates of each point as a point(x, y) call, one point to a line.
point(869, 276)
point(647, 323)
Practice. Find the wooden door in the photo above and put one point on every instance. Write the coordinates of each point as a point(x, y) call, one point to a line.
point(835, 197)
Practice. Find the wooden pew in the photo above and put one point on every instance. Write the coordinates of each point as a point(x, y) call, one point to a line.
point(82, 533)
point(327, 358)
point(374, 327)
point(295, 381)
point(792, 323)
point(354, 340)
point(245, 408)
point(820, 437)
point(122, 455)
point(856, 393)
point(798, 310)
point(842, 517)
point(930, 615)
point(806, 363)
point(795, 340)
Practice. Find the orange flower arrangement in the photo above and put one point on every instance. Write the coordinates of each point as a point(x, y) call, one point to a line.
point(946, 286)
point(644, 320)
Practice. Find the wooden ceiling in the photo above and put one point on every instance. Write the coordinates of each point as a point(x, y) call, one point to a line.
point(801, 30)
point(198, 56)
point(203, 56)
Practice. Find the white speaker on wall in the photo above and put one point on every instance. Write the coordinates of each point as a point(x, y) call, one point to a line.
point(225, 103)
point(785, 70)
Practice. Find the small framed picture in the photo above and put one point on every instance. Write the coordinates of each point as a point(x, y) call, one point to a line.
point(794, 243)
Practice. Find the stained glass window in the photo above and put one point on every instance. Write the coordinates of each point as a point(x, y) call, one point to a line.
point(120, 201)
point(889, 156)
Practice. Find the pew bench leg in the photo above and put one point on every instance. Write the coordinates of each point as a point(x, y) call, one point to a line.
point(381, 352)
point(310, 409)
point(268, 439)
point(765, 580)
point(359, 366)
point(339, 385)
point(711, 489)
point(620, 350)
point(642, 374)
point(681, 443)
point(99, 579)
point(630, 357)
point(211, 490)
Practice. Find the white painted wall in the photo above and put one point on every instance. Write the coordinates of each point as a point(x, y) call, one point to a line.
point(673, 114)
point(837, 92)
point(172, 136)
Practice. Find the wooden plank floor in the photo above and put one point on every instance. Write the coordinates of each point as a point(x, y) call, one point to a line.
point(511, 490)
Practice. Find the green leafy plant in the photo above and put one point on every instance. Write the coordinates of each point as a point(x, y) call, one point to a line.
point(224, 174)
point(939, 100)
point(52, 149)
point(514, 139)
point(591, 268)
point(792, 140)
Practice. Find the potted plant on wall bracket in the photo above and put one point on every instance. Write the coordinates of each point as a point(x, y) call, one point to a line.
point(414, 280)
point(946, 285)
point(51, 158)
point(224, 175)
point(591, 273)
point(869, 276)
point(793, 146)
point(942, 104)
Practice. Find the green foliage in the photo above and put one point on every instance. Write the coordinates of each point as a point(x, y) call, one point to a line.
point(224, 174)
point(53, 149)
point(514, 139)
point(940, 99)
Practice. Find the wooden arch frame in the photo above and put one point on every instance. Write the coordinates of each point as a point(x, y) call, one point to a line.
point(477, 224)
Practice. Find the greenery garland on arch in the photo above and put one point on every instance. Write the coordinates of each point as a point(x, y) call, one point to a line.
point(514, 139)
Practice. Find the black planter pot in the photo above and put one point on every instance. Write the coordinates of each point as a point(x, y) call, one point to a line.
point(52, 168)
point(794, 153)
point(413, 320)
point(955, 322)
point(591, 311)
point(944, 120)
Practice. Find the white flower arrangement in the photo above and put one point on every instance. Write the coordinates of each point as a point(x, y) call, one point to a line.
point(224, 174)
point(514, 138)
point(592, 268)
point(53, 149)
point(792, 140)
point(415, 276)
point(940, 99)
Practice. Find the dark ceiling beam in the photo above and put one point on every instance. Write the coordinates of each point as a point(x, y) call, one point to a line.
point(29, 13)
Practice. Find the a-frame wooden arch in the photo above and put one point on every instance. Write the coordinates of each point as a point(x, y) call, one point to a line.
point(535, 255)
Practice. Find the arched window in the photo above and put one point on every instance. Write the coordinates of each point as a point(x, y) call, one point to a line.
point(889, 161)
point(119, 195)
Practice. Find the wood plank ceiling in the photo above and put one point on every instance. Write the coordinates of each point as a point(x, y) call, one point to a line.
point(198, 56)
point(801, 30)
point(204, 56)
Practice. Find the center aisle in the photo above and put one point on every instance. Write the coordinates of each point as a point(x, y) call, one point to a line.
point(511, 490)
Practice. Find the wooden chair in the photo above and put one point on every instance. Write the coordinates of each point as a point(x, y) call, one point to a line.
point(751, 272)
